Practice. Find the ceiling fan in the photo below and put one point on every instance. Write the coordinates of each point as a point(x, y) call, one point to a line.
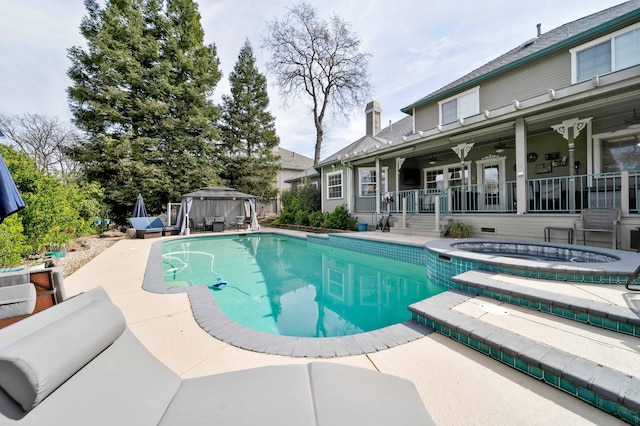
point(501, 147)
point(634, 121)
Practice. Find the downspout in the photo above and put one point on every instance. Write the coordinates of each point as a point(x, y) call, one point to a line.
point(323, 190)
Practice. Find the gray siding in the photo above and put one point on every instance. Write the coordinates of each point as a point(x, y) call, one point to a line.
point(532, 79)
point(427, 117)
point(527, 81)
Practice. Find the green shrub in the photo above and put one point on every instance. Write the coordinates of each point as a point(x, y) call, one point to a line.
point(12, 242)
point(460, 230)
point(287, 217)
point(316, 219)
point(56, 211)
point(301, 218)
point(309, 198)
point(340, 218)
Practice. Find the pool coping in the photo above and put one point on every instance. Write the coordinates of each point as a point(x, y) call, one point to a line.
point(625, 266)
point(608, 389)
point(211, 319)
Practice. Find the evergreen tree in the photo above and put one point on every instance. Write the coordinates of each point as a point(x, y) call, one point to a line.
point(140, 93)
point(248, 131)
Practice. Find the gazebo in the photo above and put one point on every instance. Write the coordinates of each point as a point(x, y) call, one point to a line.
point(217, 201)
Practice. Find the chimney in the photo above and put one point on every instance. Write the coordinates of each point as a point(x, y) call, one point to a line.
point(539, 26)
point(372, 112)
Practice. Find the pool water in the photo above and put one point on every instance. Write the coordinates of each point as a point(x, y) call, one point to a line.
point(292, 287)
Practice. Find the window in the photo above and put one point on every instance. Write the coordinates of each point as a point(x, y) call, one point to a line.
point(620, 153)
point(462, 105)
point(614, 52)
point(435, 180)
point(334, 185)
point(369, 181)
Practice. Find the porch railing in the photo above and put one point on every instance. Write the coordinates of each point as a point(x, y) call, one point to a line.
point(568, 194)
point(489, 197)
point(573, 193)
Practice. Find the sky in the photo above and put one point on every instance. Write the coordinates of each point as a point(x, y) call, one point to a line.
point(417, 46)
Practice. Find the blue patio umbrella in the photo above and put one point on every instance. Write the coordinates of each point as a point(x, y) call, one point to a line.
point(10, 199)
point(139, 210)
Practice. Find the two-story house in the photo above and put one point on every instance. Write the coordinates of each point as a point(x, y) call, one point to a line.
point(527, 140)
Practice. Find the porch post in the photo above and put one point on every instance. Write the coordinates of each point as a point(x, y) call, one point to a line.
point(570, 129)
point(378, 181)
point(437, 212)
point(572, 170)
point(521, 166)
point(624, 192)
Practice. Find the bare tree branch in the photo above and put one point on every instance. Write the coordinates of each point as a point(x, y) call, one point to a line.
point(44, 139)
point(319, 61)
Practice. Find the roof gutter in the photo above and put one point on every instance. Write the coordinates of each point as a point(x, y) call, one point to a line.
point(631, 16)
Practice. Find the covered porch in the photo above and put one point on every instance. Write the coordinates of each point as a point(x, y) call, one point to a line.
point(506, 178)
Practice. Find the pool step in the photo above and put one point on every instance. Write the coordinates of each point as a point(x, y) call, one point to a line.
point(601, 386)
point(600, 314)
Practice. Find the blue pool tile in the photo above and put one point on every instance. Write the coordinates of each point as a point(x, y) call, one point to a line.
point(551, 379)
point(587, 395)
point(567, 386)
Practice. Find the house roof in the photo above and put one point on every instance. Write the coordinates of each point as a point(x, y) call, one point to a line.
point(392, 133)
point(558, 38)
point(308, 173)
point(219, 193)
point(290, 160)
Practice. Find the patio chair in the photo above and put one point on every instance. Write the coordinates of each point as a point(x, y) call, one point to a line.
point(78, 363)
point(147, 227)
point(239, 222)
point(600, 221)
point(48, 290)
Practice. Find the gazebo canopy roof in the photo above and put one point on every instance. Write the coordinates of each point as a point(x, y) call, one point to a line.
point(219, 193)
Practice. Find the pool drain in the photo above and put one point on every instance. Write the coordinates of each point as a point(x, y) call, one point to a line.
point(493, 309)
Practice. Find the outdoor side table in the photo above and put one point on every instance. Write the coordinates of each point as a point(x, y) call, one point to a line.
point(548, 229)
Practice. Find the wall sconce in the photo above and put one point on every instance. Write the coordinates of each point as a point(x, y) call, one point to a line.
point(595, 81)
point(516, 104)
point(333, 167)
point(551, 93)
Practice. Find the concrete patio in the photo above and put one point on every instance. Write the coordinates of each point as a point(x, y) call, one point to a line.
point(457, 384)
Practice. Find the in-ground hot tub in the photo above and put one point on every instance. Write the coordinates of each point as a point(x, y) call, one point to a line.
point(563, 262)
point(536, 252)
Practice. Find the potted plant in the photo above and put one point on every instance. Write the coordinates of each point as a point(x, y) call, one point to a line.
point(460, 230)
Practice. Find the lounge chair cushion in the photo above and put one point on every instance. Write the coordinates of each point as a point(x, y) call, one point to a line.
point(13, 278)
point(17, 300)
point(269, 391)
point(34, 366)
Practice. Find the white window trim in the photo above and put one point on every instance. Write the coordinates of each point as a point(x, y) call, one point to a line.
point(384, 170)
point(609, 37)
point(456, 97)
point(329, 175)
point(445, 169)
point(500, 161)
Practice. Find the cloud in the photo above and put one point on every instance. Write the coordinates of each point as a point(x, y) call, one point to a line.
point(417, 47)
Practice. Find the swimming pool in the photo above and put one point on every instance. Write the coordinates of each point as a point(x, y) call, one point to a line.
point(294, 287)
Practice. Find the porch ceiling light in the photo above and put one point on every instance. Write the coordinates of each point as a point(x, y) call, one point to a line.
point(432, 160)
